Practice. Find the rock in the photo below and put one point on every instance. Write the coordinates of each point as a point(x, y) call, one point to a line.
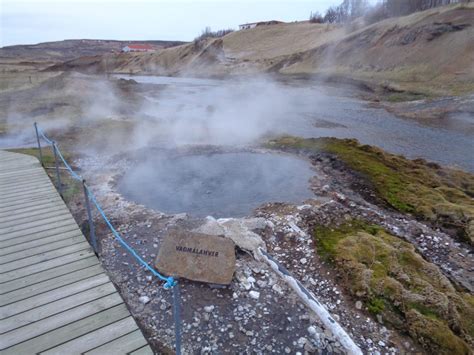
point(198, 257)
point(209, 309)
point(302, 342)
point(277, 289)
point(359, 305)
point(254, 294)
point(144, 299)
point(238, 230)
point(246, 285)
point(303, 261)
point(261, 283)
point(312, 330)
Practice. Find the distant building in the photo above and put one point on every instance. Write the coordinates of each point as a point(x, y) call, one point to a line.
point(246, 26)
point(138, 48)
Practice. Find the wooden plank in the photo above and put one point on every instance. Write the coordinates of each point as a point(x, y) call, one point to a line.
point(53, 212)
point(24, 183)
point(32, 269)
point(123, 345)
point(54, 301)
point(40, 248)
point(143, 351)
point(58, 320)
point(32, 208)
point(30, 191)
point(68, 237)
point(52, 199)
point(4, 204)
point(49, 274)
point(19, 217)
point(68, 332)
point(19, 239)
point(39, 258)
point(20, 169)
point(29, 185)
point(21, 175)
point(96, 338)
point(14, 201)
point(48, 285)
point(34, 232)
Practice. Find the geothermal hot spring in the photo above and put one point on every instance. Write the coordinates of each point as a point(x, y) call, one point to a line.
point(217, 184)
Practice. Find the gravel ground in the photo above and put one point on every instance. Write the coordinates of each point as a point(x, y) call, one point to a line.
point(257, 312)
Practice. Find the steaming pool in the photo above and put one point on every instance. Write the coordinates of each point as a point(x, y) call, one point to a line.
point(217, 184)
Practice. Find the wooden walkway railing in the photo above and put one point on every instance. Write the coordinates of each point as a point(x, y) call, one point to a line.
point(55, 297)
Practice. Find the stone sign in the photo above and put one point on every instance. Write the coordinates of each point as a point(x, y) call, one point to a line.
point(198, 257)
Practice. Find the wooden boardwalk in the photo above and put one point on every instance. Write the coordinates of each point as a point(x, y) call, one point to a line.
point(55, 297)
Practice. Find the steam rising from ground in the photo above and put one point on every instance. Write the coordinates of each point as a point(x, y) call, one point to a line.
point(236, 112)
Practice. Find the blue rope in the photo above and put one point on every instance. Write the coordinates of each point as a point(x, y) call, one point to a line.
point(68, 167)
point(169, 281)
point(44, 136)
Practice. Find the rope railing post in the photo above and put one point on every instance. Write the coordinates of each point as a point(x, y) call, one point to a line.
point(39, 144)
point(177, 317)
point(56, 162)
point(92, 235)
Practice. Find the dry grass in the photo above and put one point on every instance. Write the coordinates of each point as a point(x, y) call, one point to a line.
point(376, 53)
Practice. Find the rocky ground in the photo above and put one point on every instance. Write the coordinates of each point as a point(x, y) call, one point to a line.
point(258, 312)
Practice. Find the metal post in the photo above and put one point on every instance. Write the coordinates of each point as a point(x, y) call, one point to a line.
point(60, 188)
point(89, 216)
point(177, 318)
point(39, 144)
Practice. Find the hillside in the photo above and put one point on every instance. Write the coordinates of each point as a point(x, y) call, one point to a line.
point(430, 52)
point(73, 48)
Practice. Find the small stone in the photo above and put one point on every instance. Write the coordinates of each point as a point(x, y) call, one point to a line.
point(303, 261)
point(287, 350)
point(312, 330)
point(302, 342)
point(144, 299)
point(254, 294)
point(261, 283)
point(277, 289)
point(381, 344)
point(379, 318)
point(209, 309)
point(359, 305)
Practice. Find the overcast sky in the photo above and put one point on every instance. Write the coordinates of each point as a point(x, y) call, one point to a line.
point(34, 21)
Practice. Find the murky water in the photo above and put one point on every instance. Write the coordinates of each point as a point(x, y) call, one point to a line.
point(252, 109)
point(220, 184)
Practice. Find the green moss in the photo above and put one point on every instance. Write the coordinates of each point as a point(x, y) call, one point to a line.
point(395, 282)
point(430, 192)
point(328, 238)
point(405, 96)
point(376, 305)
